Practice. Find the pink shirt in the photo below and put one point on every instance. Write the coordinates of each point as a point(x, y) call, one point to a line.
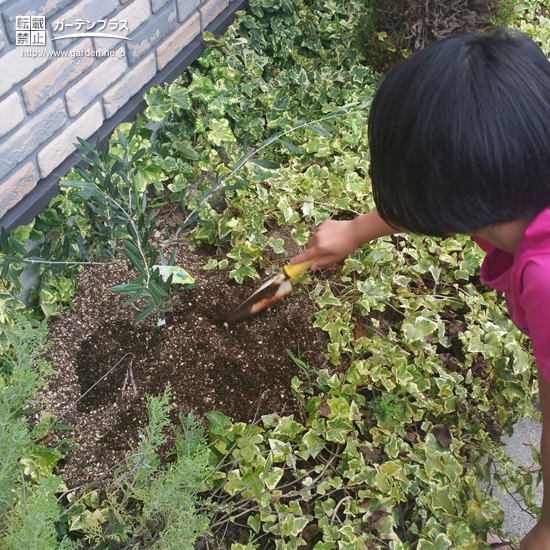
point(525, 278)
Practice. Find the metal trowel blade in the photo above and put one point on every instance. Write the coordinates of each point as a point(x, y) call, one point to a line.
point(271, 291)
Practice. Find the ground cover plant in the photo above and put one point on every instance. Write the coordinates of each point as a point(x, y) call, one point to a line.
point(392, 30)
point(362, 412)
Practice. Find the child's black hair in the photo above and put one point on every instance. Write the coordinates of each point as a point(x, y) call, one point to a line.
point(460, 135)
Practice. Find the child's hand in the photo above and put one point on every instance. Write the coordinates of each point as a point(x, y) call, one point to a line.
point(335, 240)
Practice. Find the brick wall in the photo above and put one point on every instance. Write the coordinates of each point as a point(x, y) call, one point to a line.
point(51, 94)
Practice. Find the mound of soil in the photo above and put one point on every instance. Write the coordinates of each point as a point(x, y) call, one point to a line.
point(107, 363)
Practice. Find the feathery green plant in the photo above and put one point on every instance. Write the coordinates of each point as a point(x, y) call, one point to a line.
point(29, 511)
point(150, 504)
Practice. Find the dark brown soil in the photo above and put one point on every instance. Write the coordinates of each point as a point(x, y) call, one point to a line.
point(242, 371)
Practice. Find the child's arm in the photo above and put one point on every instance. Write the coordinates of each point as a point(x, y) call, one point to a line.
point(334, 240)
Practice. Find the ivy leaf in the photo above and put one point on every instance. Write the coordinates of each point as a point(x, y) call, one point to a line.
point(328, 298)
point(219, 423)
point(167, 164)
point(234, 483)
point(243, 272)
point(220, 132)
point(418, 329)
point(441, 542)
point(252, 484)
point(180, 96)
point(286, 210)
point(288, 427)
point(42, 462)
point(277, 244)
point(185, 149)
point(273, 478)
point(179, 183)
point(159, 104)
point(145, 175)
point(521, 361)
point(49, 217)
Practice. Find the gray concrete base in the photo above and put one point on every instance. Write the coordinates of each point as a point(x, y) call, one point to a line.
point(526, 431)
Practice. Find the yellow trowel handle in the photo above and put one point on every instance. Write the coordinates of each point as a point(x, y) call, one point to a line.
point(294, 270)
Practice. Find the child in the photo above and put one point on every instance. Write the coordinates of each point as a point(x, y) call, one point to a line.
point(460, 143)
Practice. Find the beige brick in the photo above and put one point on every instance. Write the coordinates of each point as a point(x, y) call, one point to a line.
point(135, 14)
point(94, 83)
point(11, 113)
point(17, 146)
point(151, 34)
point(211, 10)
point(51, 156)
point(16, 67)
point(56, 76)
point(186, 8)
point(129, 85)
point(16, 187)
point(173, 45)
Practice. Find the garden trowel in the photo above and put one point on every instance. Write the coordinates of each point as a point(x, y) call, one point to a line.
point(271, 291)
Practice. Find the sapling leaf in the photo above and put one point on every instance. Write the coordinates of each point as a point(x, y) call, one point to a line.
point(128, 288)
point(86, 185)
point(140, 315)
point(21, 412)
point(66, 440)
point(264, 163)
point(67, 449)
point(132, 248)
point(84, 145)
point(241, 162)
point(242, 183)
point(132, 131)
point(157, 291)
point(4, 240)
point(62, 427)
point(172, 260)
point(66, 246)
point(135, 296)
point(168, 283)
point(291, 147)
point(19, 248)
point(320, 130)
point(272, 139)
point(137, 155)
